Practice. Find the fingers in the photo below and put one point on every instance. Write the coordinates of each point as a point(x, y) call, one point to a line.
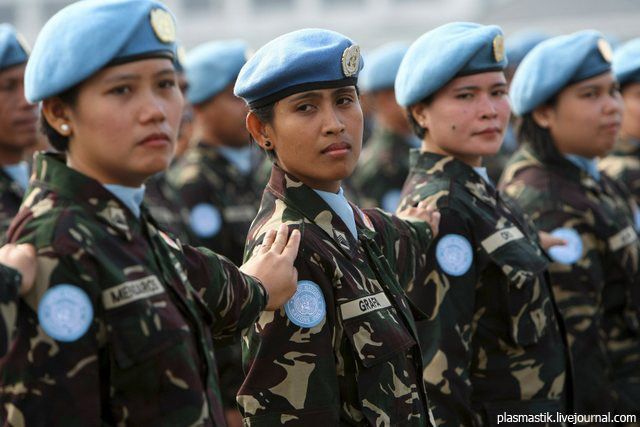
point(281, 239)
point(290, 251)
point(267, 241)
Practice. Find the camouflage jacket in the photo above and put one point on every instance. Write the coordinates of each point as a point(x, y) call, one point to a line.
point(152, 308)
point(623, 164)
point(361, 364)
point(381, 171)
point(221, 201)
point(10, 280)
point(492, 342)
point(598, 294)
point(10, 198)
point(165, 206)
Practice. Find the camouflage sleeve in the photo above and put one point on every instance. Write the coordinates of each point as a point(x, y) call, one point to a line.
point(72, 369)
point(234, 299)
point(10, 280)
point(291, 371)
point(449, 302)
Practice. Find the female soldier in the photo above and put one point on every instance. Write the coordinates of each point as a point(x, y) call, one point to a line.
point(623, 163)
point(118, 328)
point(492, 343)
point(570, 108)
point(344, 349)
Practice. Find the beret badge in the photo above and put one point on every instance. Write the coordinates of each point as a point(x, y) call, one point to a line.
point(163, 25)
point(498, 48)
point(351, 60)
point(605, 50)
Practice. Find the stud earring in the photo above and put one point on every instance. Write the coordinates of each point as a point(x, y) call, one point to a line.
point(65, 128)
point(267, 143)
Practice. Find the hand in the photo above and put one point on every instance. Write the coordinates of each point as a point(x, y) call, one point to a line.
point(422, 212)
point(273, 265)
point(21, 258)
point(548, 241)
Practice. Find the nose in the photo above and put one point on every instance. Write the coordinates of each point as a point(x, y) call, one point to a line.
point(332, 123)
point(487, 107)
point(153, 109)
point(613, 104)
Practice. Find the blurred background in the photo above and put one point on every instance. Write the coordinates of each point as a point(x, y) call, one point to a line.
point(368, 22)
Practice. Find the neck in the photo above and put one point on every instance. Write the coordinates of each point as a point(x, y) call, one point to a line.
point(85, 168)
point(11, 156)
point(328, 186)
point(471, 160)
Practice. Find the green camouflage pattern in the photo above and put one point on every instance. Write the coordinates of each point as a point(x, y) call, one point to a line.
point(165, 206)
point(360, 365)
point(204, 176)
point(147, 357)
point(381, 171)
point(598, 295)
point(10, 281)
point(623, 164)
point(10, 198)
point(492, 342)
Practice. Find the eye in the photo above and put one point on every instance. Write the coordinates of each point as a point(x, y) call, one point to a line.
point(500, 92)
point(120, 90)
point(344, 100)
point(589, 94)
point(168, 83)
point(8, 86)
point(304, 108)
point(615, 91)
point(464, 95)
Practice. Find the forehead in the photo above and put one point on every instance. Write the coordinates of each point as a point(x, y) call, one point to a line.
point(15, 72)
point(599, 80)
point(135, 68)
point(489, 78)
point(319, 93)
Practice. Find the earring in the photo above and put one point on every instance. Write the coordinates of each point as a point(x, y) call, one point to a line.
point(267, 143)
point(65, 128)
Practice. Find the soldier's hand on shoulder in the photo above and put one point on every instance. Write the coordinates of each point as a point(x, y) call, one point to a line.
point(23, 259)
point(548, 241)
point(273, 265)
point(422, 212)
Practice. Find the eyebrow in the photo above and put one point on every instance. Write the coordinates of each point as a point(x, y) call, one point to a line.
point(472, 87)
point(136, 76)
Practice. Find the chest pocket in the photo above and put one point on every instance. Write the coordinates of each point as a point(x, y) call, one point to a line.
point(143, 326)
point(374, 329)
point(529, 307)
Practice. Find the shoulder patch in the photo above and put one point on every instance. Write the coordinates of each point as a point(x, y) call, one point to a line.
point(454, 254)
point(307, 307)
point(569, 253)
point(65, 312)
point(205, 220)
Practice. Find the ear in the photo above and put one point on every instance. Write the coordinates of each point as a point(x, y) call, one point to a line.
point(420, 114)
point(543, 116)
point(259, 131)
point(57, 114)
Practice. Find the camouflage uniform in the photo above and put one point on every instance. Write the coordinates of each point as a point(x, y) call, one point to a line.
point(492, 342)
point(165, 206)
point(147, 357)
point(10, 281)
point(204, 176)
point(623, 164)
point(598, 294)
point(10, 198)
point(358, 366)
point(382, 169)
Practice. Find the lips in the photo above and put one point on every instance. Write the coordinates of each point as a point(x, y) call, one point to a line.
point(158, 138)
point(489, 131)
point(611, 127)
point(336, 148)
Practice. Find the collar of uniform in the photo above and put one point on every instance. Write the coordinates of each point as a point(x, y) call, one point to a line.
point(455, 170)
point(52, 172)
point(626, 146)
point(566, 168)
point(306, 201)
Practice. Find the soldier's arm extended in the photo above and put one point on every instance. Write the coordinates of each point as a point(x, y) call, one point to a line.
point(291, 370)
point(449, 302)
point(236, 296)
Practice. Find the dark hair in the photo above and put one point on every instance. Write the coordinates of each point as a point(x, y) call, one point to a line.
point(538, 139)
point(57, 140)
point(417, 129)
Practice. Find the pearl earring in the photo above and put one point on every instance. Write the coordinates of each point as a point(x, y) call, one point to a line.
point(65, 128)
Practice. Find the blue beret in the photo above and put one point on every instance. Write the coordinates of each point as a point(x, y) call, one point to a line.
point(179, 57)
point(297, 62)
point(556, 63)
point(452, 50)
point(213, 66)
point(521, 43)
point(13, 49)
point(626, 62)
point(382, 67)
point(86, 36)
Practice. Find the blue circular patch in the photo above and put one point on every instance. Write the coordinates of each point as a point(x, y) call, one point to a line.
point(454, 254)
point(65, 312)
point(306, 308)
point(205, 220)
point(391, 200)
point(636, 218)
point(569, 253)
